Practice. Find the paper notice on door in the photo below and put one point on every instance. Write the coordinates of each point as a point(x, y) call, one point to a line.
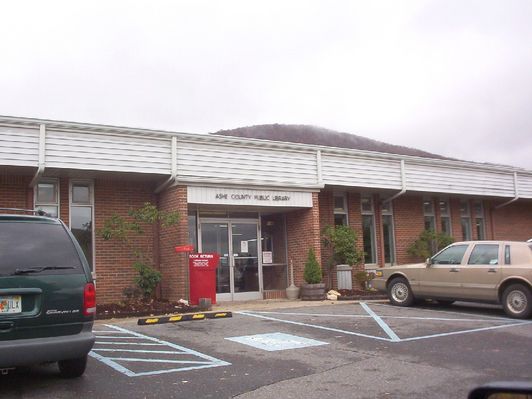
point(243, 246)
point(267, 257)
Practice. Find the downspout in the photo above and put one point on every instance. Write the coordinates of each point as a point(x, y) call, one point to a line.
point(516, 190)
point(42, 155)
point(403, 184)
point(173, 175)
point(319, 168)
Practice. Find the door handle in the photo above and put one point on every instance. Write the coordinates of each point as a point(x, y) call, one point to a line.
point(454, 270)
point(6, 326)
point(492, 270)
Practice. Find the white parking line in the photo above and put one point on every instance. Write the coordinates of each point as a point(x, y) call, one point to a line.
point(204, 361)
point(393, 337)
point(365, 316)
point(297, 323)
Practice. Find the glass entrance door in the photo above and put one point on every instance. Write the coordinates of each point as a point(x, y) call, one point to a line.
point(238, 276)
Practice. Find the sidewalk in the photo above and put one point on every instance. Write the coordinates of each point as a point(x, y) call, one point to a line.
point(268, 304)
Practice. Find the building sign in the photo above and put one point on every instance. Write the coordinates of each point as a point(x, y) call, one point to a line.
point(234, 196)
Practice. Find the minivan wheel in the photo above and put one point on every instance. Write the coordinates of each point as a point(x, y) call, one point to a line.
point(517, 301)
point(399, 292)
point(72, 368)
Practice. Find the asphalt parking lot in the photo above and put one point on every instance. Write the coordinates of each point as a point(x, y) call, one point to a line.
point(342, 350)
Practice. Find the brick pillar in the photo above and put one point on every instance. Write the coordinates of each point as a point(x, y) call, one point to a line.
point(174, 266)
point(456, 220)
point(409, 222)
point(326, 216)
point(64, 200)
point(303, 230)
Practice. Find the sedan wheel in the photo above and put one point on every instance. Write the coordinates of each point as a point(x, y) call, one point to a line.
point(399, 292)
point(517, 301)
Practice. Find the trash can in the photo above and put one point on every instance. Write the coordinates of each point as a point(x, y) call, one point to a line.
point(202, 272)
point(344, 277)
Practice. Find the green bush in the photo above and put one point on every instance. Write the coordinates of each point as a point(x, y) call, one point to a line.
point(343, 241)
point(312, 273)
point(147, 279)
point(429, 243)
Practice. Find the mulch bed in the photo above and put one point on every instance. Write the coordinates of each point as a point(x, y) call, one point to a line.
point(356, 294)
point(140, 307)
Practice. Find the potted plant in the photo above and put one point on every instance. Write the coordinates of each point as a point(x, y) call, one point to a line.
point(314, 289)
point(343, 242)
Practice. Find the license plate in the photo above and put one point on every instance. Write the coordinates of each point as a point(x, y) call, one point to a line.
point(10, 304)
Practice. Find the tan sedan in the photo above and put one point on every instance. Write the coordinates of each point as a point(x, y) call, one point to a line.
point(479, 271)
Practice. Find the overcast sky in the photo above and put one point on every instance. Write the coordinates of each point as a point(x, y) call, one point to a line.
point(453, 77)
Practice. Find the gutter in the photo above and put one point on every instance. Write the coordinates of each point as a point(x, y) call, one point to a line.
point(403, 185)
point(42, 156)
point(516, 190)
point(173, 173)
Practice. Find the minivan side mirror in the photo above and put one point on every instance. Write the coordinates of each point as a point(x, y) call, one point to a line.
point(428, 262)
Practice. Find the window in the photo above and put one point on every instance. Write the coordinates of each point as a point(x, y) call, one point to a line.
point(445, 217)
point(507, 257)
point(465, 220)
point(387, 232)
point(428, 212)
point(484, 254)
point(82, 217)
point(368, 229)
point(450, 256)
point(478, 210)
point(47, 197)
point(340, 210)
point(193, 229)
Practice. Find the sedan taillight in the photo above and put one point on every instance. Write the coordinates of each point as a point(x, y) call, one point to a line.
point(89, 300)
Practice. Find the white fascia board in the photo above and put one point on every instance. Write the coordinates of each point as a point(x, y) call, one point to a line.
point(245, 142)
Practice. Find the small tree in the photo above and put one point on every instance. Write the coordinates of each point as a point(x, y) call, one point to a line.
point(124, 229)
point(312, 273)
point(428, 243)
point(343, 242)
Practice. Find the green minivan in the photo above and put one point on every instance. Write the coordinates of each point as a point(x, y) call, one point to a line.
point(47, 295)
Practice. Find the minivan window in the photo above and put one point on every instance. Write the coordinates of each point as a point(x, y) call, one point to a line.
point(450, 256)
point(25, 245)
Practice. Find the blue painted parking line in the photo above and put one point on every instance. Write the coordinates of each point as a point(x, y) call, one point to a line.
point(393, 336)
point(276, 341)
point(116, 356)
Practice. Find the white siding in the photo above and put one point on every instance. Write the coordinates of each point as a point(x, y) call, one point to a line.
point(235, 164)
point(356, 171)
point(19, 146)
point(445, 179)
point(524, 183)
point(108, 152)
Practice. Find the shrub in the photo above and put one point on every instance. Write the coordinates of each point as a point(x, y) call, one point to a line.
point(343, 242)
point(125, 229)
point(312, 273)
point(429, 243)
point(147, 279)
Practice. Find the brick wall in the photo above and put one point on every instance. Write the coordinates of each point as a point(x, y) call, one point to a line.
point(15, 192)
point(513, 222)
point(114, 259)
point(303, 230)
point(174, 266)
point(409, 222)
